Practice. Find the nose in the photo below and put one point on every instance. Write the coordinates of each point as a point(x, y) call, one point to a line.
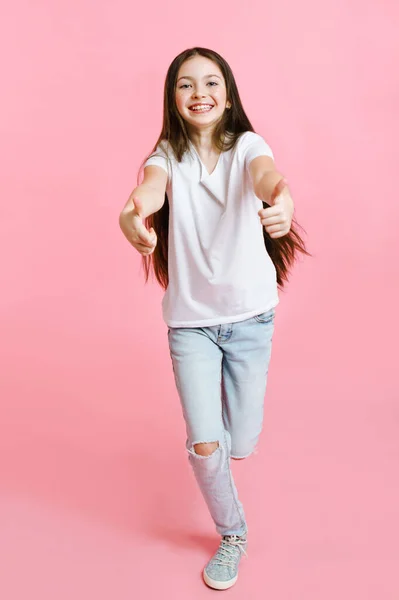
point(198, 94)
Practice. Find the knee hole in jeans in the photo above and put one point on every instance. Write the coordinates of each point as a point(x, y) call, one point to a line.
point(205, 448)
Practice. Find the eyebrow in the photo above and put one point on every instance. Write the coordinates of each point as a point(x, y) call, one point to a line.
point(206, 76)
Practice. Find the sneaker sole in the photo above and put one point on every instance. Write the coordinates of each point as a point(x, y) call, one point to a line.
point(218, 585)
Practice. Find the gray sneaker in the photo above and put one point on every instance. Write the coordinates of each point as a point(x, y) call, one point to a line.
point(221, 572)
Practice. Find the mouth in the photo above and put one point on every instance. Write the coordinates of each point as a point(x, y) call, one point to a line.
point(201, 108)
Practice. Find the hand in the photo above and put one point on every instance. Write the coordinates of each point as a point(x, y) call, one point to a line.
point(132, 225)
point(277, 218)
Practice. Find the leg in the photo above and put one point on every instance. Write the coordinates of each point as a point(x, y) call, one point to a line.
point(197, 365)
point(245, 368)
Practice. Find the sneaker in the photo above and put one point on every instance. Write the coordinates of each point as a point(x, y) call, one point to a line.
point(221, 572)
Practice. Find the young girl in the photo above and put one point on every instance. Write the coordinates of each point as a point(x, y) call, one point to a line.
point(214, 219)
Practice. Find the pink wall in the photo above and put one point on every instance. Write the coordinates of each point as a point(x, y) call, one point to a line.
point(88, 502)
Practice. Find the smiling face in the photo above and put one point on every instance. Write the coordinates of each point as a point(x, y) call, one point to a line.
point(201, 93)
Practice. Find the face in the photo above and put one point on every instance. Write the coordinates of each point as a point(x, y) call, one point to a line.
point(201, 93)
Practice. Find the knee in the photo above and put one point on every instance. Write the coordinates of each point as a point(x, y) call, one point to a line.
point(205, 449)
point(241, 452)
point(243, 446)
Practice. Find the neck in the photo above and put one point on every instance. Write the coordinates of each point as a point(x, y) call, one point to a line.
point(202, 139)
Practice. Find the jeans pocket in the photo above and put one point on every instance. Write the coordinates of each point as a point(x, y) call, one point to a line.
point(265, 317)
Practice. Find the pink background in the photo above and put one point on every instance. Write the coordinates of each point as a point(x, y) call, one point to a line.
point(97, 499)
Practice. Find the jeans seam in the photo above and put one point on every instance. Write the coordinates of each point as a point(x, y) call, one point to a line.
point(269, 319)
point(231, 484)
point(243, 525)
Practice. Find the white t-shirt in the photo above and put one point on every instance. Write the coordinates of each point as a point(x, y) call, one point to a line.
point(219, 269)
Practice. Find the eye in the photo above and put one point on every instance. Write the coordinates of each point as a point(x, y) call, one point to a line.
point(184, 86)
point(212, 83)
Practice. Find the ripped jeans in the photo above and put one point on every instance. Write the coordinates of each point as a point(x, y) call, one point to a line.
point(221, 373)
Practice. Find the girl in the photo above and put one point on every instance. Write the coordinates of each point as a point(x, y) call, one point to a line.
point(220, 254)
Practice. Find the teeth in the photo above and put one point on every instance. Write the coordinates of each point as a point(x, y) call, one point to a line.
point(202, 108)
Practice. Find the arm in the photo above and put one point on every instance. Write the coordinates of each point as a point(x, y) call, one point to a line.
point(151, 192)
point(271, 187)
point(265, 177)
point(145, 200)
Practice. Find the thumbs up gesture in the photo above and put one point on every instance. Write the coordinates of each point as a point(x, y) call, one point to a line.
point(277, 218)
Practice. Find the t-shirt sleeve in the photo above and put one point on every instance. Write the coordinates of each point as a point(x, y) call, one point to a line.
point(253, 145)
point(159, 158)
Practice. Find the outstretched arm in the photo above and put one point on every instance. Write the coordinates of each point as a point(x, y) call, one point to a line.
point(145, 200)
point(271, 187)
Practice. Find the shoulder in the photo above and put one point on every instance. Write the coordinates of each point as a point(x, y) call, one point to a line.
point(163, 149)
point(161, 157)
point(250, 138)
point(251, 144)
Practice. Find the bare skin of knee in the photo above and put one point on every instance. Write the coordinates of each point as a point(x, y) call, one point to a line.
point(206, 449)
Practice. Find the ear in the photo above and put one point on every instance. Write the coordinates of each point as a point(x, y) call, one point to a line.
point(228, 104)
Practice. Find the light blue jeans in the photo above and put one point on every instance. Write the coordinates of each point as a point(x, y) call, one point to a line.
point(221, 374)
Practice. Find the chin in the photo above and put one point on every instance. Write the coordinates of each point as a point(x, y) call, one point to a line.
point(202, 122)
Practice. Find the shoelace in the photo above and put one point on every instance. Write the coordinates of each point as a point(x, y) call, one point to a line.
point(227, 552)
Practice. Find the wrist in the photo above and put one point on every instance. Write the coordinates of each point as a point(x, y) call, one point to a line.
point(270, 186)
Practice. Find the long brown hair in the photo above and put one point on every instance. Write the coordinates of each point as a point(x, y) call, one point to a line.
point(283, 251)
